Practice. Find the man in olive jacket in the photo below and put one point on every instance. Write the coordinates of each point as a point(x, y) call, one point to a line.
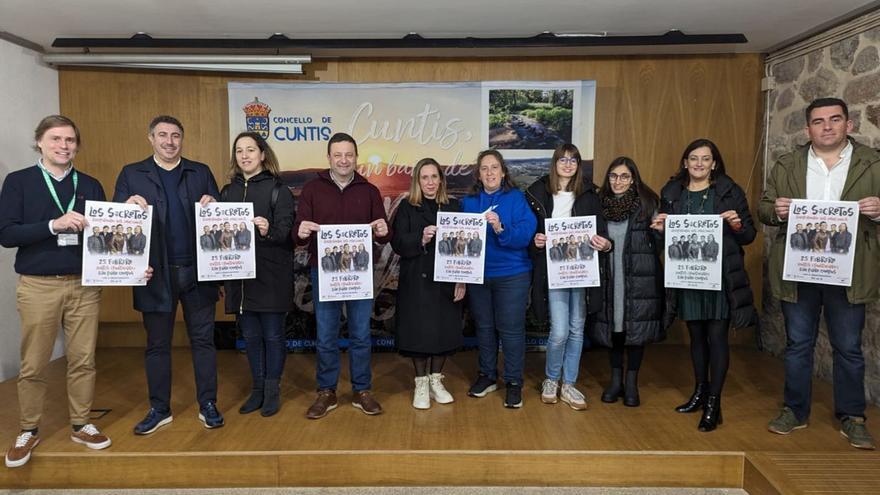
point(832, 166)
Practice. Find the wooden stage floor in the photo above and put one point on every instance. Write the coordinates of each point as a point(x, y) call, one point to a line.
point(472, 442)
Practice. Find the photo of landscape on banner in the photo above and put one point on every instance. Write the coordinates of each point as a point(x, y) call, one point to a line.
point(396, 125)
point(821, 240)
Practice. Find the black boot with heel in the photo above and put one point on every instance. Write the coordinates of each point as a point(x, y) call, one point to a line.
point(697, 400)
point(711, 414)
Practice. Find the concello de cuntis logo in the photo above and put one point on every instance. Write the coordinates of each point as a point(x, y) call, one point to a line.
point(256, 115)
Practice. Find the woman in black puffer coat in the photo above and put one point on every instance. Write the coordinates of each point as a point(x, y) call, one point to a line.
point(261, 304)
point(702, 188)
point(633, 283)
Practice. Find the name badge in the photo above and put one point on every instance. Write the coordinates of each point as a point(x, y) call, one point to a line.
point(68, 239)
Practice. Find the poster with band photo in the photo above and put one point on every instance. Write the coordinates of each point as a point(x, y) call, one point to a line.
point(820, 241)
point(693, 252)
point(116, 244)
point(571, 260)
point(225, 247)
point(345, 262)
point(460, 247)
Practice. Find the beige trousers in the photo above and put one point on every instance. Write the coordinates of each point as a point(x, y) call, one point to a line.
point(46, 303)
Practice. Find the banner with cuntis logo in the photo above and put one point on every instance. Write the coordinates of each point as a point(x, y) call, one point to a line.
point(396, 125)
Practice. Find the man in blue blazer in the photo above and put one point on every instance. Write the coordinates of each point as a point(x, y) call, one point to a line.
point(173, 185)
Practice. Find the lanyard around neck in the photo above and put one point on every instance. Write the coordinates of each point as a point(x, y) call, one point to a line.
point(55, 194)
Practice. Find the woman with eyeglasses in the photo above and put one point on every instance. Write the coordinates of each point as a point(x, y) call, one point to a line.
point(498, 305)
point(633, 284)
point(701, 187)
point(564, 192)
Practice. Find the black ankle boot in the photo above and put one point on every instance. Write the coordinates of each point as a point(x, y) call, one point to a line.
point(254, 402)
point(615, 388)
point(272, 399)
point(711, 414)
point(631, 389)
point(695, 403)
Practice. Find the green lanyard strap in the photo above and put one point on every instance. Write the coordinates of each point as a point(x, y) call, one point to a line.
point(55, 194)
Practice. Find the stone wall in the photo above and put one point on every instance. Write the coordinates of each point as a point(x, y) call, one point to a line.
point(847, 68)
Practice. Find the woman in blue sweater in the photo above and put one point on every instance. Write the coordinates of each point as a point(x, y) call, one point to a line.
point(499, 304)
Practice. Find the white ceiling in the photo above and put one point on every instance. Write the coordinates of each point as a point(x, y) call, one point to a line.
point(766, 23)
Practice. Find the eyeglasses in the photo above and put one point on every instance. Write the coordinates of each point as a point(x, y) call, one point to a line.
point(619, 178)
point(569, 159)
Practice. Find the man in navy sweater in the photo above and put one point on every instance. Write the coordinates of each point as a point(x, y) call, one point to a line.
point(41, 214)
point(173, 185)
point(340, 196)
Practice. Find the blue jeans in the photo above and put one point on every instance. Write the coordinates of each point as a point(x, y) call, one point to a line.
point(845, 323)
point(328, 316)
point(266, 347)
point(199, 317)
point(499, 310)
point(568, 308)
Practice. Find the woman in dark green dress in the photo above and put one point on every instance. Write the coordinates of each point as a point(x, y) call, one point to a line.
point(702, 188)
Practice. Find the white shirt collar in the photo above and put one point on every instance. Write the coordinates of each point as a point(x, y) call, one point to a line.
point(339, 184)
point(163, 168)
point(844, 153)
point(58, 179)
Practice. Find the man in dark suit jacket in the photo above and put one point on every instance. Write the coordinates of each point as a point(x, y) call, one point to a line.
point(798, 240)
point(844, 240)
point(443, 245)
point(328, 261)
point(95, 241)
point(475, 245)
point(710, 249)
point(361, 258)
point(217, 232)
point(138, 242)
point(243, 237)
point(173, 184)
point(674, 249)
point(206, 241)
point(108, 238)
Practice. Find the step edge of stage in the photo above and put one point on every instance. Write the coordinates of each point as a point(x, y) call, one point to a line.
point(379, 468)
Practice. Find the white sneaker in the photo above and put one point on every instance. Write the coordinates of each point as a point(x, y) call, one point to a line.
point(573, 397)
point(438, 392)
point(548, 391)
point(421, 396)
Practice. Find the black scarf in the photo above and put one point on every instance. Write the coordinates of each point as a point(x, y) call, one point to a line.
point(619, 208)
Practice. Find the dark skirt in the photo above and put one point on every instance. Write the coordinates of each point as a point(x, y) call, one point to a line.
point(428, 321)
